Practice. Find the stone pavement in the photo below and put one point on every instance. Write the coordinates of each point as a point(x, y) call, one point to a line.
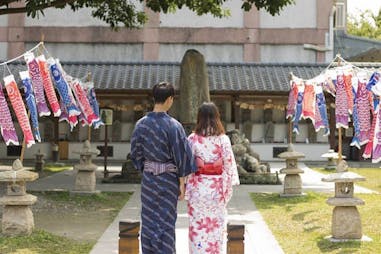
point(258, 237)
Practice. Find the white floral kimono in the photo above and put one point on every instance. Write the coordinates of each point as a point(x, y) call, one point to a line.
point(208, 195)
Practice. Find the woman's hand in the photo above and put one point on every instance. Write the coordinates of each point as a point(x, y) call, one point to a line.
point(181, 188)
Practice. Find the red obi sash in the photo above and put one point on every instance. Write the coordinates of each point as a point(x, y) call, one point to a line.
point(214, 168)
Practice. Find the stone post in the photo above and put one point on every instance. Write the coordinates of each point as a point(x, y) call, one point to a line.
point(292, 181)
point(129, 237)
point(346, 221)
point(85, 180)
point(17, 217)
point(236, 238)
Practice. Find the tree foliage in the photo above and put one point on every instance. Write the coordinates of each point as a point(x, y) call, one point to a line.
point(367, 24)
point(126, 13)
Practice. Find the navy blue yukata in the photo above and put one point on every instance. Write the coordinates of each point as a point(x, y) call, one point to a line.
point(159, 138)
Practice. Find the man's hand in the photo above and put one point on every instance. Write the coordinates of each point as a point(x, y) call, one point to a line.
point(182, 188)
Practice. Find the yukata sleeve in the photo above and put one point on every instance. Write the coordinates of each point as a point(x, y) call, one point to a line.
point(181, 151)
point(137, 148)
point(230, 172)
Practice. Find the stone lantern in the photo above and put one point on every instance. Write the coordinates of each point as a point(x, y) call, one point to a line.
point(346, 221)
point(17, 216)
point(292, 181)
point(332, 157)
point(39, 164)
point(85, 180)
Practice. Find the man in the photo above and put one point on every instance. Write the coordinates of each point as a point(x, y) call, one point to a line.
point(160, 150)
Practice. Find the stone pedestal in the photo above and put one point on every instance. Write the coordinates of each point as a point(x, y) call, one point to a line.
point(292, 181)
point(85, 181)
point(17, 217)
point(346, 220)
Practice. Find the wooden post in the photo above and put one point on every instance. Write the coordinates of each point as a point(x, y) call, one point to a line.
point(105, 153)
point(23, 145)
point(89, 127)
point(340, 145)
point(290, 130)
point(236, 237)
point(129, 237)
point(237, 111)
point(290, 76)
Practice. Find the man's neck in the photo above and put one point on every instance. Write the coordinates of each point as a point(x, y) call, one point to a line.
point(160, 108)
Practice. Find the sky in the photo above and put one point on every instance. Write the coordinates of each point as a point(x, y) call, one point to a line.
point(359, 6)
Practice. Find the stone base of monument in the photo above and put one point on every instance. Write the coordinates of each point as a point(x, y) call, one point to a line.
point(129, 177)
point(364, 238)
point(254, 178)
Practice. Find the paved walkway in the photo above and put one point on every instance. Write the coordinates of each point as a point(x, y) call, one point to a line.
point(258, 237)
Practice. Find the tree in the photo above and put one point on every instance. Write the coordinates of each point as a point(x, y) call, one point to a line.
point(125, 12)
point(366, 25)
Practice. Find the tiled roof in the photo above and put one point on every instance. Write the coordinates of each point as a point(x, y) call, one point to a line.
point(350, 46)
point(229, 77)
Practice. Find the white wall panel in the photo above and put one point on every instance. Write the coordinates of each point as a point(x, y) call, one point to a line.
point(95, 52)
point(3, 20)
point(3, 50)
point(302, 14)
point(287, 54)
point(212, 53)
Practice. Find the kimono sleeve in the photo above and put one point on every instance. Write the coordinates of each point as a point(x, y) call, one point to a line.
point(181, 151)
point(137, 148)
point(230, 172)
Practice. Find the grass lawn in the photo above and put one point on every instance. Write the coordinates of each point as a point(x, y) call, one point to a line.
point(372, 175)
point(42, 242)
point(300, 224)
point(62, 203)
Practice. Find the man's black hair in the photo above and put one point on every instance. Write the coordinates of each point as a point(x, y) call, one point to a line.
point(162, 91)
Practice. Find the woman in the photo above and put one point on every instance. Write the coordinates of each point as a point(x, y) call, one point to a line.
point(210, 188)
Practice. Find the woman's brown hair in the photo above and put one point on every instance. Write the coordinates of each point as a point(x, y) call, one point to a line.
point(208, 120)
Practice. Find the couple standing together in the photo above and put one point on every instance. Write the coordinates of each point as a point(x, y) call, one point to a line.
point(200, 168)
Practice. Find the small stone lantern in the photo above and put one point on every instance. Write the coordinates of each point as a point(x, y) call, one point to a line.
point(332, 157)
point(292, 181)
point(346, 221)
point(85, 180)
point(17, 217)
point(39, 164)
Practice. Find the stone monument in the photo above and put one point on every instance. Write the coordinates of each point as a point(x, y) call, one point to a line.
point(194, 87)
point(85, 181)
point(332, 158)
point(250, 169)
point(17, 216)
point(346, 221)
point(292, 185)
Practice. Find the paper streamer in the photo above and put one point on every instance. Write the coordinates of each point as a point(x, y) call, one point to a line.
point(19, 108)
point(89, 88)
point(8, 131)
point(48, 85)
point(83, 103)
point(37, 82)
point(30, 102)
point(63, 88)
